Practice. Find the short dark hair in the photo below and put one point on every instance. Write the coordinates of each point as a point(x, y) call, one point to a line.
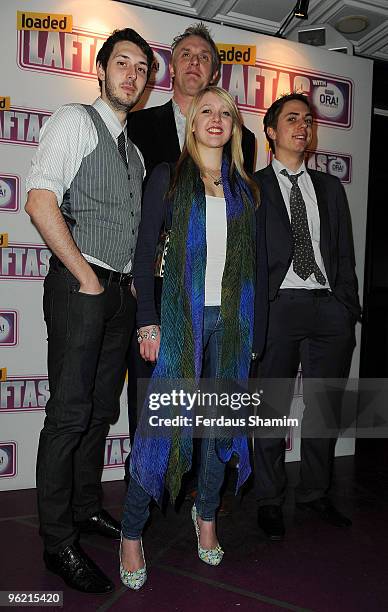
point(272, 115)
point(117, 36)
point(199, 29)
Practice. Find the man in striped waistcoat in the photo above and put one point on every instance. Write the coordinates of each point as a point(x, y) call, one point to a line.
point(84, 195)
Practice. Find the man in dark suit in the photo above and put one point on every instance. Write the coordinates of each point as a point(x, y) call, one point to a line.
point(159, 132)
point(312, 313)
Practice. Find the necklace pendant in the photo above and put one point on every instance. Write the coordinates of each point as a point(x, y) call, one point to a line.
point(218, 181)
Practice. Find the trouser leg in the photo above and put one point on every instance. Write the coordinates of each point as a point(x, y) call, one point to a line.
point(211, 469)
point(326, 357)
point(89, 456)
point(136, 511)
point(277, 371)
point(75, 325)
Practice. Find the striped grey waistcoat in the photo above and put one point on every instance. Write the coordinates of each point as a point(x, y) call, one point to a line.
point(103, 203)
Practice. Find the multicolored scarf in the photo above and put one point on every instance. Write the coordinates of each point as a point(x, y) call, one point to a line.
point(161, 461)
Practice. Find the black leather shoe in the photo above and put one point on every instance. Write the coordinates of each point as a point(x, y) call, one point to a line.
point(102, 523)
point(326, 511)
point(270, 520)
point(77, 570)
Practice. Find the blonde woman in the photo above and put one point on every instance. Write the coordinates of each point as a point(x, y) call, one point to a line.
point(207, 320)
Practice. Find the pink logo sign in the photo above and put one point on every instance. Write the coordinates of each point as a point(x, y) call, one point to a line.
point(24, 393)
point(9, 193)
point(117, 448)
point(24, 262)
point(74, 54)
point(8, 328)
point(22, 125)
point(8, 463)
point(256, 87)
point(336, 164)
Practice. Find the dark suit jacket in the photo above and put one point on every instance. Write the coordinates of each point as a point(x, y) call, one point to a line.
point(153, 130)
point(336, 242)
point(261, 292)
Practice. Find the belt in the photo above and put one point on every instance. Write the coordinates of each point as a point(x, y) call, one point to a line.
point(111, 276)
point(306, 292)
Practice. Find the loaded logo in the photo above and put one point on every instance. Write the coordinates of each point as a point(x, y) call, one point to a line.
point(256, 87)
point(75, 55)
point(237, 54)
point(116, 450)
point(8, 327)
point(8, 461)
point(5, 102)
point(336, 164)
point(24, 262)
point(22, 125)
point(24, 393)
point(9, 193)
point(44, 22)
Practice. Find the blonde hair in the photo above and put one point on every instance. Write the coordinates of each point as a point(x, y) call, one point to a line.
point(232, 148)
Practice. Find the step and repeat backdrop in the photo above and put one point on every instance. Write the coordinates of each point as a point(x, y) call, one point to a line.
point(48, 51)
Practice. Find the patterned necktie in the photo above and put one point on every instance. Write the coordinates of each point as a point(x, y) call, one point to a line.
point(122, 148)
point(303, 262)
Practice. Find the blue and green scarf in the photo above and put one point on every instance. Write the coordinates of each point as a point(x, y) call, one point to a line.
point(158, 461)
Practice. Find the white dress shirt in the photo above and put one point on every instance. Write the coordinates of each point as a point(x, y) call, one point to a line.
point(292, 280)
point(180, 122)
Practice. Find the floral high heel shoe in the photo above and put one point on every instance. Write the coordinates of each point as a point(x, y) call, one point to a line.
point(133, 580)
point(211, 556)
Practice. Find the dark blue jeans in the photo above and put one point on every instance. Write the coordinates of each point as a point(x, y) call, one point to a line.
point(212, 469)
point(88, 336)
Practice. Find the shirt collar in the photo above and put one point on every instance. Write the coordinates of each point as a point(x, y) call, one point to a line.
point(110, 118)
point(176, 109)
point(278, 167)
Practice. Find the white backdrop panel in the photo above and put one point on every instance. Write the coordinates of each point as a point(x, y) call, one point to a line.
point(41, 72)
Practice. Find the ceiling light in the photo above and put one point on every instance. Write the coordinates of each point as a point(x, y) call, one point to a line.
point(301, 9)
point(352, 24)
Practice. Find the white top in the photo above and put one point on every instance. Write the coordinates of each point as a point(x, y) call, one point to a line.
point(292, 280)
point(65, 139)
point(216, 232)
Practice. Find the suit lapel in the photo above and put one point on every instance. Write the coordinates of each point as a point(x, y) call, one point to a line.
point(166, 125)
point(275, 195)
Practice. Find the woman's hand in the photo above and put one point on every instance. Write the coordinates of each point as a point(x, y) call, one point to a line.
point(133, 290)
point(149, 341)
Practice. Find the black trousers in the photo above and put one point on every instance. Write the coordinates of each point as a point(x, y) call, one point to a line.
point(88, 337)
point(315, 329)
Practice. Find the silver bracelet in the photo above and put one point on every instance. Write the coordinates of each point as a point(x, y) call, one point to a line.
point(151, 334)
